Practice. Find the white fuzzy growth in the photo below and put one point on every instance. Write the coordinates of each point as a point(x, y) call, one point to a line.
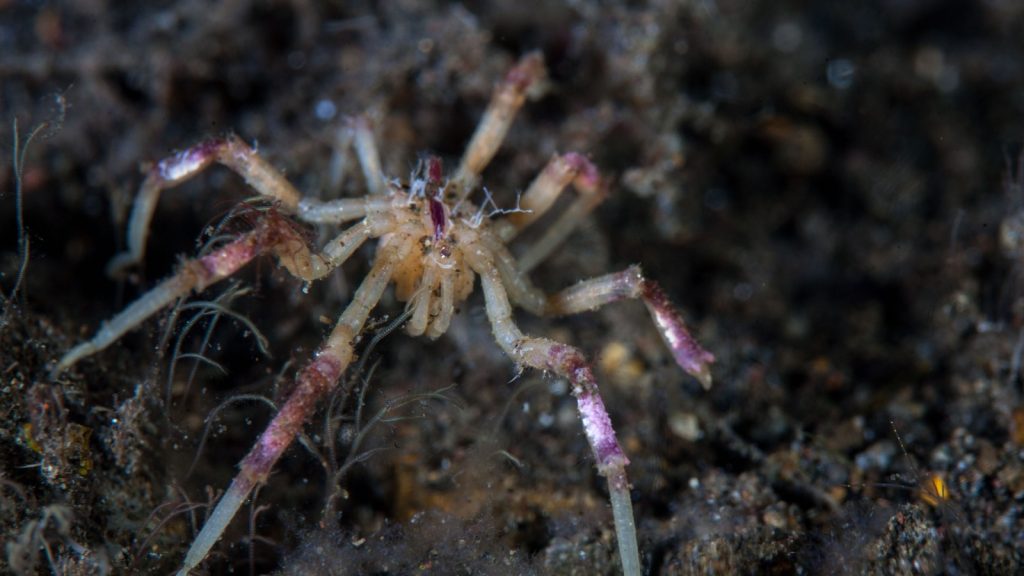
point(418, 188)
point(489, 208)
point(182, 165)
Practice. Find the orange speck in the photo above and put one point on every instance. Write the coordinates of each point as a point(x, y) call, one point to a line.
point(1017, 428)
point(934, 491)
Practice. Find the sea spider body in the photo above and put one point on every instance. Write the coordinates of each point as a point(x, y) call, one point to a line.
point(433, 277)
point(433, 242)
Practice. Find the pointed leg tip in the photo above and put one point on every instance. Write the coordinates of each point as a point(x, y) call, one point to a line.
point(688, 353)
point(703, 375)
point(71, 357)
point(695, 361)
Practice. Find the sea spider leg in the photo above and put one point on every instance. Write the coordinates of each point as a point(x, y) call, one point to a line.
point(519, 287)
point(446, 307)
point(341, 210)
point(194, 274)
point(271, 234)
point(557, 232)
point(569, 363)
point(630, 283)
point(560, 171)
point(420, 303)
point(508, 98)
point(592, 192)
point(231, 152)
point(572, 168)
point(596, 292)
point(369, 157)
point(239, 157)
point(356, 130)
point(338, 168)
point(313, 383)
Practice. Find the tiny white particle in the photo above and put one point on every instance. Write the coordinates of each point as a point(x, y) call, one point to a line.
point(840, 73)
point(325, 110)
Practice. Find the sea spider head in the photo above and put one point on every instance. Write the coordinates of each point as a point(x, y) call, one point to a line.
point(433, 278)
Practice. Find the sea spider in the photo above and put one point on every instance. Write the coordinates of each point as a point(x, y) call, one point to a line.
point(433, 242)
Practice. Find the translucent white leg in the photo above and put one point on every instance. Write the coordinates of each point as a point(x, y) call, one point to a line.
point(508, 98)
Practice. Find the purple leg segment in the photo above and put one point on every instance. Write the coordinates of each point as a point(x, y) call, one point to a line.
point(229, 151)
point(690, 355)
point(569, 363)
point(315, 381)
point(630, 283)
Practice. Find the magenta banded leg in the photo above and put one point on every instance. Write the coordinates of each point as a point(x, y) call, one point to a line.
point(196, 274)
point(569, 363)
point(183, 166)
point(259, 174)
point(594, 293)
point(314, 382)
point(631, 284)
point(272, 234)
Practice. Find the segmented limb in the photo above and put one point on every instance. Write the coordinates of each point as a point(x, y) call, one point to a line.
point(508, 98)
point(420, 303)
point(357, 130)
point(339, 159)
point(271, 234)
point(630, 283)
point(519, 286)
point(340, 210)
point(558, 231)
point(369, 157)
point(170, 172)
point(296, 257)
point(194, 274)
point(592, 294)
point(560, 171)
point(445, 308)
point(313, 383)
point(570, 364)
